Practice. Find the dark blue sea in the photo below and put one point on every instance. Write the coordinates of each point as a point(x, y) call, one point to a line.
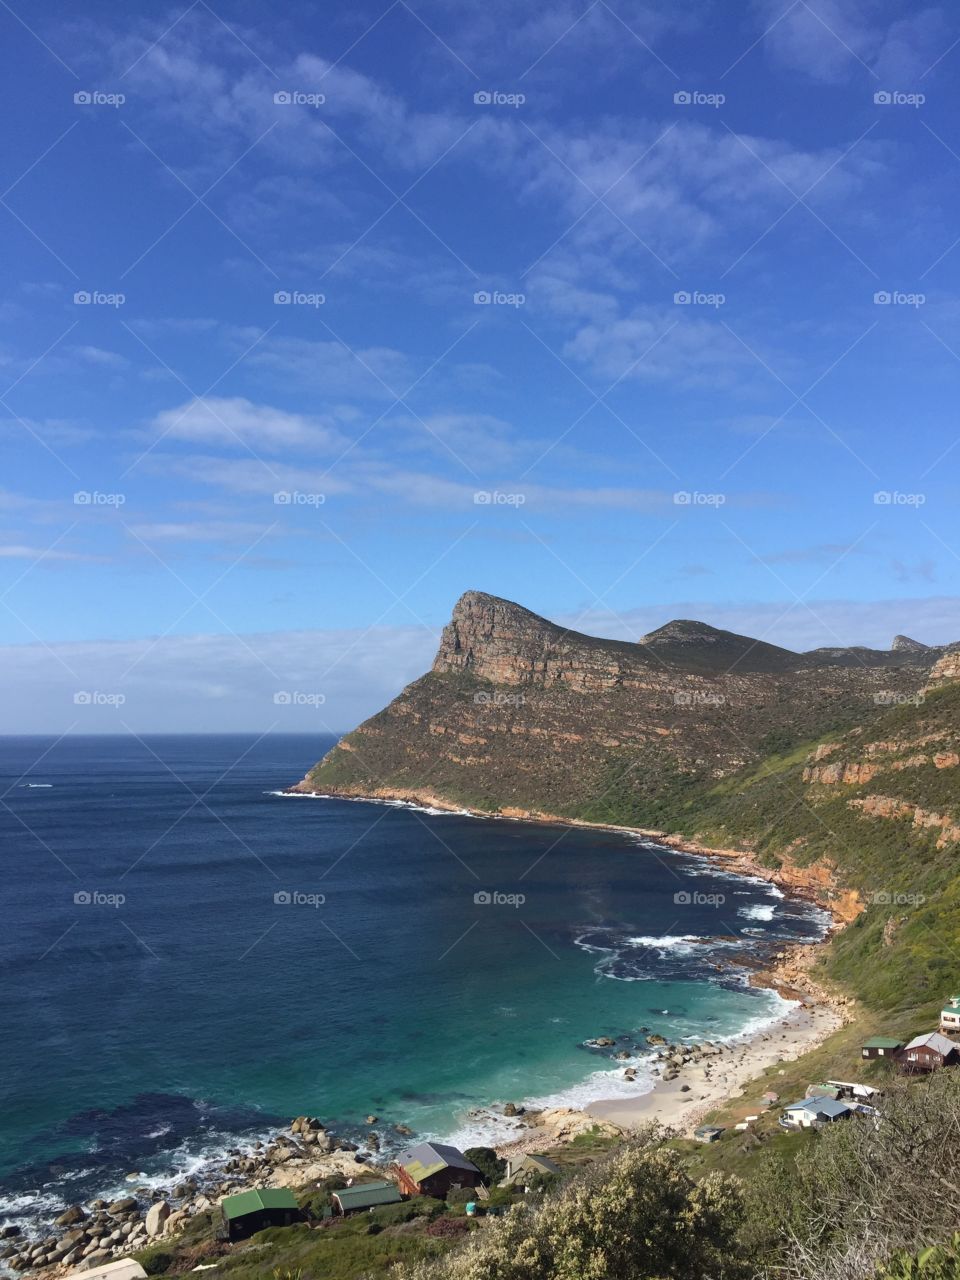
point(189, 958)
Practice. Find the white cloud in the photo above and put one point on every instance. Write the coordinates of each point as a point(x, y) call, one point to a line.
point(234, 420)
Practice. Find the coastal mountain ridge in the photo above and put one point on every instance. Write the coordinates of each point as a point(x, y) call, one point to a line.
point(520, 713)
point(838, 769)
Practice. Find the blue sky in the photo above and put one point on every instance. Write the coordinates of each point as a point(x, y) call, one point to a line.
point(314, 318)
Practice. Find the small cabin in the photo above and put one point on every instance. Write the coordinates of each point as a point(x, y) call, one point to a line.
point(435, 1169)
point(929, 1053)
point(365, 1195)
point(881, 1047)
point(521, 1169)
point(252, 1211)
point(708, 1133)
point(811, 1113)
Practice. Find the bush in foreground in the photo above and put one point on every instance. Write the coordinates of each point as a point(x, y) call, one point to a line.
point(635, 1216)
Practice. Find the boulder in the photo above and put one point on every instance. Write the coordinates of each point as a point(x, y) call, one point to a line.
point(175, 1222)
point(94, 1259)
point(157, 1215)
point(123, 1206)
point(510, 1109)
point(372, 1119)
point(8, 1232)
point(70, 1217)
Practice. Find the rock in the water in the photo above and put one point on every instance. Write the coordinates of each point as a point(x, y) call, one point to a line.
point(70, 1217)
point(127, 1204)
point(510, 1109)
point(372, 1119)
point(157, 1215)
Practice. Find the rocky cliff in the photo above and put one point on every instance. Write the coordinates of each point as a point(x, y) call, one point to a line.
point(518, 713)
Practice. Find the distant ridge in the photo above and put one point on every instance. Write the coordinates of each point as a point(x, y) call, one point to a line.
point(521, 714)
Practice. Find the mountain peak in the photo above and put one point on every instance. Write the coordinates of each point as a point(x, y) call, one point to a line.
point(903, 644)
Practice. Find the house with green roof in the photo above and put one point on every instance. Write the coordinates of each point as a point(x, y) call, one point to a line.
point(251, 1211)
point(365, 1195)
point(881, 1047)
point(950, 1018)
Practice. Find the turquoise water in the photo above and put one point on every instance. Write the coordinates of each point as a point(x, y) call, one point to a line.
point(149, 1033)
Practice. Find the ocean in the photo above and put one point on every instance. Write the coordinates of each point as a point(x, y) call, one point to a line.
point(189, 959)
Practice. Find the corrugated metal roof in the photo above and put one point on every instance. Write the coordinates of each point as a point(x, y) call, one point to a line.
point(882, 1042)
point(367, 1194)
point(253, 1201)
point(820, 1106)
point(430, 1157)
point(933, 1040)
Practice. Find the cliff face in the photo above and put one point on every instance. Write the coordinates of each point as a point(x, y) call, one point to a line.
point(518, 713)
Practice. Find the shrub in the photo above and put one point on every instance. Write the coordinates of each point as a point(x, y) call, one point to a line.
point(492, 1167)
point(636, 1216)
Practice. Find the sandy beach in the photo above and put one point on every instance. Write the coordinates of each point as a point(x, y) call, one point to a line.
point(700, 1086)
